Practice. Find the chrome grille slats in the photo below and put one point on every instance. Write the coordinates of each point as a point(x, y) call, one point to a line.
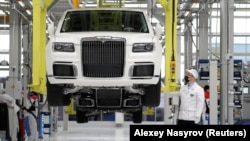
point(103, 57)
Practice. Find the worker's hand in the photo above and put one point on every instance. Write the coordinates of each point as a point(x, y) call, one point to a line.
point(10, 106)
point(197, 120)
point(7, 103)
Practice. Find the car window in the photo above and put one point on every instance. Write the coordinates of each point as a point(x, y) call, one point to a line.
point(105, 20)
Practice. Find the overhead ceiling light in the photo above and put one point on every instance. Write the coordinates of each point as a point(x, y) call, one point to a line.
point(181, 21)
point(182, 6)
point(187, 13)
point(21, 3)
point(2, 0)
point(194, 5)
point(4, 25)
point(28, 11)
point(30, 2)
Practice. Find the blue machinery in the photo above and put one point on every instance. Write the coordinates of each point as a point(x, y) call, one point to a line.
point(203, 66)
point(209, 71)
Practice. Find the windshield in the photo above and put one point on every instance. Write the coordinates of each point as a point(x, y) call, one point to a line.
point(105, 20)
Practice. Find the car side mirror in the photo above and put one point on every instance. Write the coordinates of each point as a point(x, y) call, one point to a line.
point(51, 28)
point(158, 30)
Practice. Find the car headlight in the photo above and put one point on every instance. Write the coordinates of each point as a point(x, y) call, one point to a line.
point(64, 47)
point(143, 47)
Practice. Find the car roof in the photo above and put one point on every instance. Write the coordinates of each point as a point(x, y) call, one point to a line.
point(117, 9)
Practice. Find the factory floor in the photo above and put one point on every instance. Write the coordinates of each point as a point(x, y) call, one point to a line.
point(103, 130)
point(93, 131)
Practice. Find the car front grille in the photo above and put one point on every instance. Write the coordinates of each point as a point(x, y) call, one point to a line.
point(102, 57)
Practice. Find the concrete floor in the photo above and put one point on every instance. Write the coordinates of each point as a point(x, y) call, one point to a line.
point(91, 131)
point(94, 131)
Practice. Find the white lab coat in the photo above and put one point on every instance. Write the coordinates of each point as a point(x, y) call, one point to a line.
point(191, 102)
point(10, 101)
point(12, 108)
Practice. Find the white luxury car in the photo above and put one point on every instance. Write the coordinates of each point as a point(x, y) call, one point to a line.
point(106, 59)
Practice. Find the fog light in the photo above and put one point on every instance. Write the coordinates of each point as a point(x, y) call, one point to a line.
point(143, 70)
point(63, 70)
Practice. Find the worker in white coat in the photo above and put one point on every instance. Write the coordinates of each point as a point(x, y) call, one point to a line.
point(191, 100)
point(12, 107)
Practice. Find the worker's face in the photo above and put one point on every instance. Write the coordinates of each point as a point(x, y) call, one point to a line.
point(190, 76)
point(186, 79)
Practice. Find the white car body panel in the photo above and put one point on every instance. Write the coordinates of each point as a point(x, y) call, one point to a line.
point(130, 58)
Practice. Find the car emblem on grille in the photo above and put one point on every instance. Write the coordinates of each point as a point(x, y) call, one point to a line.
point(103, 39)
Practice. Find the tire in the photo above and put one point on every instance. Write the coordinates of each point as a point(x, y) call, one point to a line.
point(152, 96)
point(55, 96)
point(137, 116)
point(81, 116)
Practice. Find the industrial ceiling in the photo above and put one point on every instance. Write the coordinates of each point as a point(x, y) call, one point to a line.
point(24, 7)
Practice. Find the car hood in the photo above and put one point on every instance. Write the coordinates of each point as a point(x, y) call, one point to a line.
point(75, 37)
